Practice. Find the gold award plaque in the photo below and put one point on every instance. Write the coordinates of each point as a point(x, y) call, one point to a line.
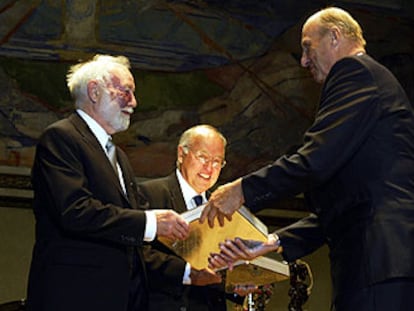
point(204, 240)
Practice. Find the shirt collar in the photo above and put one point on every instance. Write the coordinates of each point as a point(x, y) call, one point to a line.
point(188, 192)
point(96, 129)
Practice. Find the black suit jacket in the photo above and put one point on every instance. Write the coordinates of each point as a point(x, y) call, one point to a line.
point(87, 229)
point(166, 269)
point(356, 168)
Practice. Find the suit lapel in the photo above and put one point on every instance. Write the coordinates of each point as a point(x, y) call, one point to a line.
point(177, 199)
point(86, 133)
point(129, 179)
point(90, 139)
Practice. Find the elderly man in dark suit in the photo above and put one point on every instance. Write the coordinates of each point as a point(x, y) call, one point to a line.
point(90, 225)
point(356, 169)
point(175, 285)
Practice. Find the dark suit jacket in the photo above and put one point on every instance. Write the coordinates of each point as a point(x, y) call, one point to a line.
point(85, 225)
point(356, 168)
point(165, 269)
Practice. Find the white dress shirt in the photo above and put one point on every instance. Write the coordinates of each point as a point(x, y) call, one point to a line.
point(188, 194)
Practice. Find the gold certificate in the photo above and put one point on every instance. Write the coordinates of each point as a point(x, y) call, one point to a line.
point(204, 240)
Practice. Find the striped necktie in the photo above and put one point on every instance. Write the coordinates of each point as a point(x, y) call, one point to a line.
point(111, 152)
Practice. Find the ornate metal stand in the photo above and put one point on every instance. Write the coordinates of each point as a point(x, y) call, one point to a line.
point(257, 300)
point(301, 283)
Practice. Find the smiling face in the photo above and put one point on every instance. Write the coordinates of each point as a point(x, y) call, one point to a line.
point(115, 101)
point(201, 161)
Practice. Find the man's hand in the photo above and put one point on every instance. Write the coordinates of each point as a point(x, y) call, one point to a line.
point(171, 225)
point(224, 201)
point(204, 277)
point(239, 249)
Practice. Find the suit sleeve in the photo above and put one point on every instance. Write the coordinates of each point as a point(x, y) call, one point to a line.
point(348, 112)
point(165, 269)
point(71, 182)
point(301, 238)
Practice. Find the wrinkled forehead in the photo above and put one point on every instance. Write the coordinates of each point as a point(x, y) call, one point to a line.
point(312, 21)
point(311, 25)
point(311, 30)
point(209, 142)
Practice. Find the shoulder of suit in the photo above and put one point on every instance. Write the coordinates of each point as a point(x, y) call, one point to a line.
point(155, 183)
point(58, 130)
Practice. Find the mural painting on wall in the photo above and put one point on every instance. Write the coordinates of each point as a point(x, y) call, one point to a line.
point(235, 67)
point(259, 121)
point(181, 52)
point(33, 95)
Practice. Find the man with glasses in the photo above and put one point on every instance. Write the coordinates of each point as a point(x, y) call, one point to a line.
point(175, 285)
point(90, 226)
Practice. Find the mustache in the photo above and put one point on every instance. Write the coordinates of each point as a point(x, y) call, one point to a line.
point(129, 110)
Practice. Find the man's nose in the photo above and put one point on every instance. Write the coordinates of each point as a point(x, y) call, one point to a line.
point(133, 102)
point(304, 60)
point(208, 166)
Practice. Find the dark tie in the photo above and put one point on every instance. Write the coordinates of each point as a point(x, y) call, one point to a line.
point(198, 199)
point(111, 152)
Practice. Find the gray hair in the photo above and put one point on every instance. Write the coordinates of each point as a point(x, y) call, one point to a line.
point(99, 68)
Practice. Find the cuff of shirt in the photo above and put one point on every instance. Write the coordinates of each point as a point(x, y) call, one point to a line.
point(186, 277)
point(150, 226)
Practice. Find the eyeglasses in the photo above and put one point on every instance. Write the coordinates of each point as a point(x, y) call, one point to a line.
point(204, 158)
point(125, 93)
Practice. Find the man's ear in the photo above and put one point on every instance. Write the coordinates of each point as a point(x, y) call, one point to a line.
point(180, 154)
point(93, 91)
point(335, 34)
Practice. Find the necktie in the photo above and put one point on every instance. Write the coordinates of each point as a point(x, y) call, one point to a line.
point(111, 152)
point(198, 199)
